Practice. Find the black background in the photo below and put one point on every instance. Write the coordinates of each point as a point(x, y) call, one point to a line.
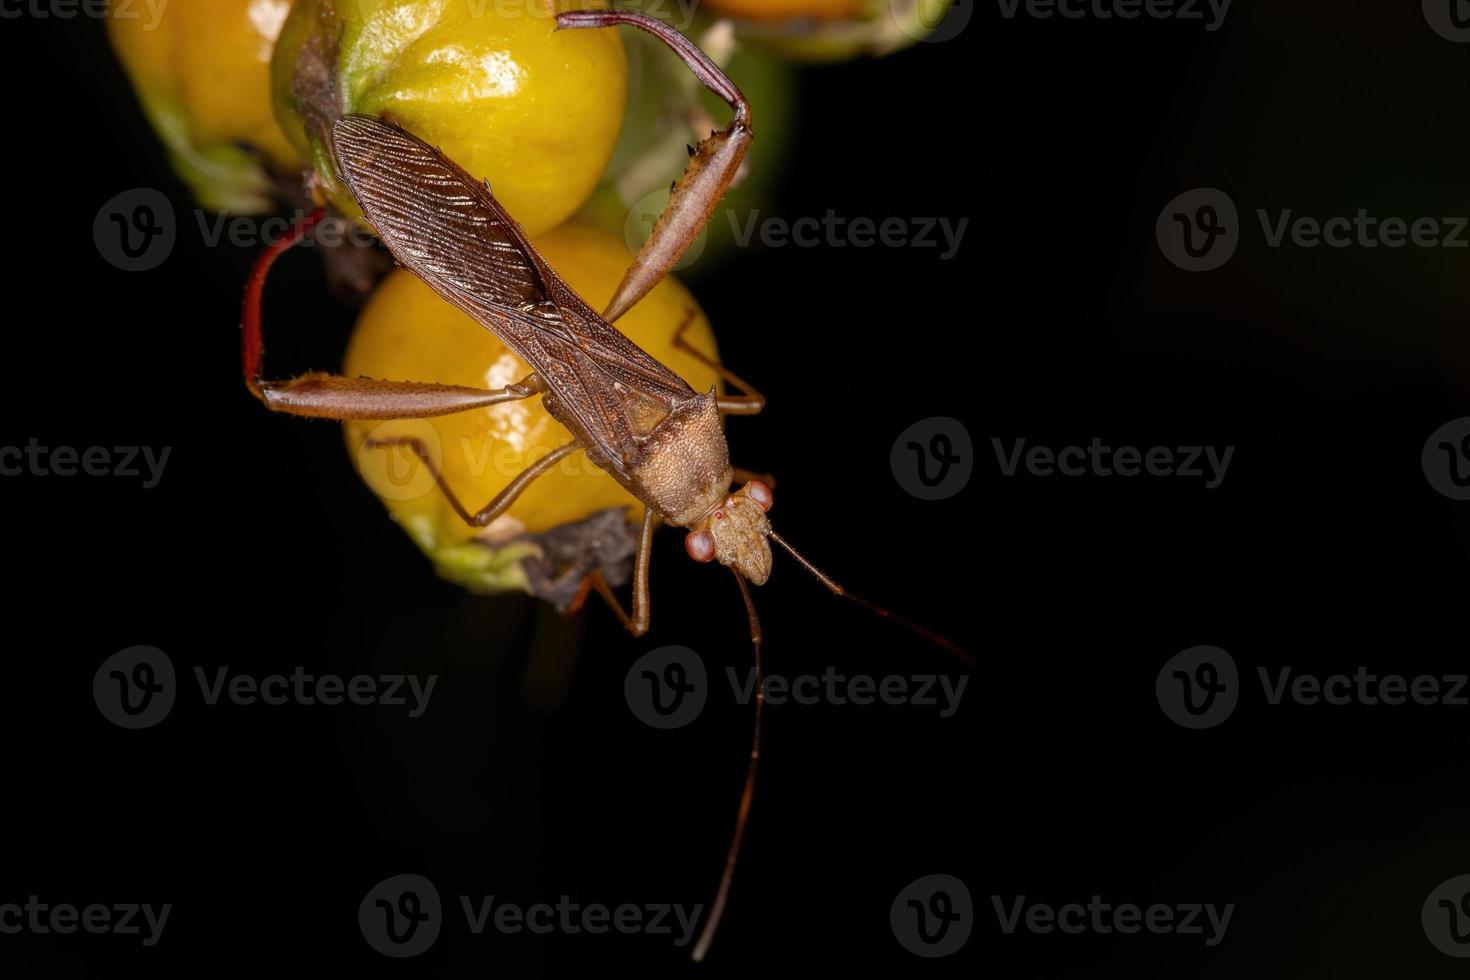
point(1058, 321)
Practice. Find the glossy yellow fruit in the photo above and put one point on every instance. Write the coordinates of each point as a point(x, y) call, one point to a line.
point(408, 333)
point(201, 68)
point(490, 82)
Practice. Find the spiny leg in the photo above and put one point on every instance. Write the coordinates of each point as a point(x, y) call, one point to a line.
point(637, 623)
point(713, 165)
point(502, 500)
point(332, 396)
point(752, 402)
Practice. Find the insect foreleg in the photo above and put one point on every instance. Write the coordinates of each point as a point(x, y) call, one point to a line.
point(503, 500)
point(637, 622)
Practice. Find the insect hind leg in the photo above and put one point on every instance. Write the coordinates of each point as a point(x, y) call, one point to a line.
point(749, 402)
point(332, 396)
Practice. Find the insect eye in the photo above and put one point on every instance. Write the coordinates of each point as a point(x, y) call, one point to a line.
point(700, 545)
point(760, 493)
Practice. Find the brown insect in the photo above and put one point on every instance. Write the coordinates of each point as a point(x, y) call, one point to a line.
point(631, 416)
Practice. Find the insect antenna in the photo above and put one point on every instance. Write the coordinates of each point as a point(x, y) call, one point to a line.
point(943, 642)
point(717, 908)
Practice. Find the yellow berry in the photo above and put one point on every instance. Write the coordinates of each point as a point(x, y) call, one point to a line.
point(407, 333)
point(490, 82)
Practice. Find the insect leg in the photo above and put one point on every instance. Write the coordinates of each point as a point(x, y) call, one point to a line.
point(713, 164)
point(637, 623)
point(750, 403)
point(503, 500)
point(332, 396)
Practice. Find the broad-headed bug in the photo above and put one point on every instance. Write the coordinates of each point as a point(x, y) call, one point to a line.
point(631, 416)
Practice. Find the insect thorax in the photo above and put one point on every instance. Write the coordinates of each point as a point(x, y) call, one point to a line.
point(683, 469)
